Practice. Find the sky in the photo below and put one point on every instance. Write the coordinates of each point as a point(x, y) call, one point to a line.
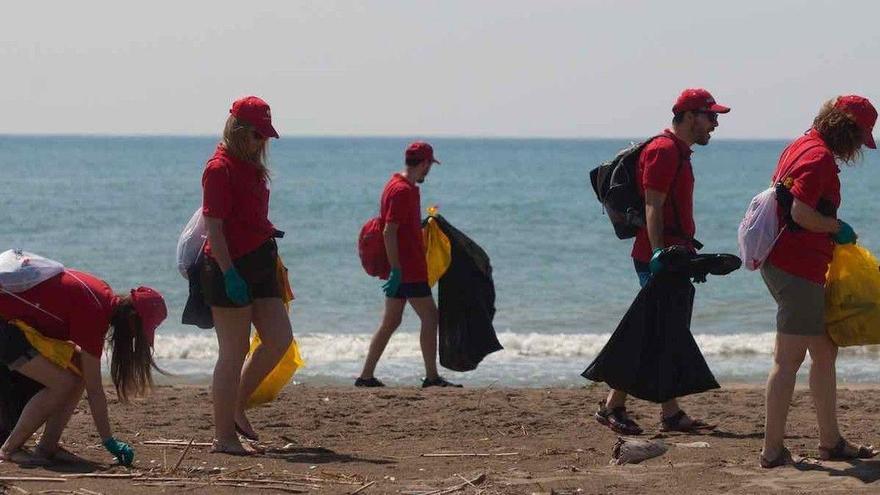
point(473, 68)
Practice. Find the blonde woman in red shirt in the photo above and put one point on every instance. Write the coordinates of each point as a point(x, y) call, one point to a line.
point(239, 276)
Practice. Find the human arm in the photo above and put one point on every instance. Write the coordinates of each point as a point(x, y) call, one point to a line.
point(654, 201)
point(812, 220)
point(91, 370)
point(219, 248)
point(395, 276)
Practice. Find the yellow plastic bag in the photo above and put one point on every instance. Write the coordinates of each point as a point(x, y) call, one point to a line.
point(271, 386)
point(438, 250)
point(58, 352)
point(852, 297)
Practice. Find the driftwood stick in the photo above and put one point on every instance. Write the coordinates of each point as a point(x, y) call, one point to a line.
point(183, 455)
point(363, 488)
point(86, 491)
point(30, 478)
point(176, 443)
point(237, 471)
point(101, 475)
point(469, 454)
point(16, 488)
point(267, 481)
point(442, 491)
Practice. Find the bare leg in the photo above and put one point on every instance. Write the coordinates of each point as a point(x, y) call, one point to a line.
point(427, 311)
point(823, 388)
point(57, 386)
point(55, 425)
point(233, 331)
point(273, 324)
point(390, 322)
point(788, 356)
point(616, 398)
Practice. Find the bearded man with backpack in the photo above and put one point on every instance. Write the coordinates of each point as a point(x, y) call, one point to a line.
point(665, 183)
point(406, 270)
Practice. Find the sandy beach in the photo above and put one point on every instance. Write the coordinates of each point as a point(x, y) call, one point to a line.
point(516, 441)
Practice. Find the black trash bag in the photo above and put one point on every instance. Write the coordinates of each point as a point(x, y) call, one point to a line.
point(197, 312)
point(466, 304)
point(652, 354)
point(15, 392)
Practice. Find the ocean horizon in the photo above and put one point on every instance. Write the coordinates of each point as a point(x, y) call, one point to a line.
point(114, 206)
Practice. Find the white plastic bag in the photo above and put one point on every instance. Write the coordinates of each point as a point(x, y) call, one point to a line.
point(759, 229)
point(191, 242)
point(21, 270)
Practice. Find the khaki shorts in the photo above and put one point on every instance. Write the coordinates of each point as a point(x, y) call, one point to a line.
point(800, 302)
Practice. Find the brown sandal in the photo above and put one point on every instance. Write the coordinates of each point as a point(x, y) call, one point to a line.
point(783, 459)
point(617, 420)
point(839, 451)
point(674, 423)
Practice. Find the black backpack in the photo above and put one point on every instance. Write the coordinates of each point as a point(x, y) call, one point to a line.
point(616, 187)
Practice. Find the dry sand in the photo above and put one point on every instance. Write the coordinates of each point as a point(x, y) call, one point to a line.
point(342, 439)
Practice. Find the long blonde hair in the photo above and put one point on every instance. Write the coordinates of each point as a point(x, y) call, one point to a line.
point(236, 138)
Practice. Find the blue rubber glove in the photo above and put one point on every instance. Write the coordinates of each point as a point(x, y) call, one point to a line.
point(393, 283)
point(236, 287)
point(656, 265)
point(846, 234)
point(121, 450)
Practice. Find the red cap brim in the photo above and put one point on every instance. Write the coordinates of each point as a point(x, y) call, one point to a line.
point(869, 140)
point(267, 131)
point(719, 108)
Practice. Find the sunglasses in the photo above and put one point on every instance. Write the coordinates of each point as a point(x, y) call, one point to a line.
point(712, 116)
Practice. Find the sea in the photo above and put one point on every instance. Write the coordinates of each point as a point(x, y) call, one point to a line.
point(115, 206)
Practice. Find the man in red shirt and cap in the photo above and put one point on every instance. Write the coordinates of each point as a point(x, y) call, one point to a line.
point(666, 182)
point(400, 210)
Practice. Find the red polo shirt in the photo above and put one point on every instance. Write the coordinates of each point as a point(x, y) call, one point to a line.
point(657, 166)
point(401, 204)
point(809, 167)
point(236, 192)
point(83, 302)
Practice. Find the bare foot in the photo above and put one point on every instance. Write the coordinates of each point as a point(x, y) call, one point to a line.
point(232, 448)
point(244, 428)
point(23, 458)
point(57, 455)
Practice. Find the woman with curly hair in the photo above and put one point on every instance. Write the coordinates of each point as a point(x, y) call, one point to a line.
point(808, 190)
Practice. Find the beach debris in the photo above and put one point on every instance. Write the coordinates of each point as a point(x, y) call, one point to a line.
point(101, 475)
point(469, 454)
point(31, 478)
point(693, 445)
point(183, 455)
point(443, 491)
point(363, 488)
point(176, 443)
point(632, 451)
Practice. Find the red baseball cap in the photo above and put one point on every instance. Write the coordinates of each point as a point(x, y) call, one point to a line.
point(860, 110)
point(150, 306)
point(697, 99)
point(420, 150)
point(255, 112)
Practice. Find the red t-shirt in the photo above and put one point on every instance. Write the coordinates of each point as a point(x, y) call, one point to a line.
point(236, 192)
point(657, 166)
point(84, 309)
point(401, 204)
point(812, 171)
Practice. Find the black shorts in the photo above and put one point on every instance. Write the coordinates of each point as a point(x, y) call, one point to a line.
point(412, 290)
point(259, 269)
point(15, 350)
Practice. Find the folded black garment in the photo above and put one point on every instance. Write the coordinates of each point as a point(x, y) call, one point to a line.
point(652, 354)
point(679, 260)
